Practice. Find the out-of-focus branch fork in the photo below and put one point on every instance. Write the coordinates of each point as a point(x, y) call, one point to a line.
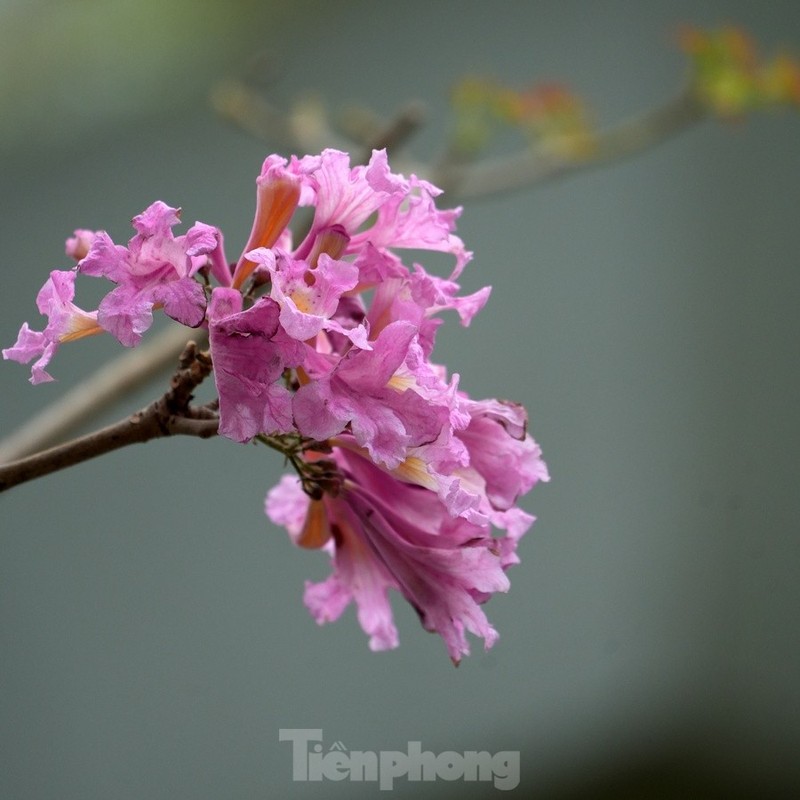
point(533, 167)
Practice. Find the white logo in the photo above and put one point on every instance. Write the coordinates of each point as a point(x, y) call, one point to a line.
point(310, 762)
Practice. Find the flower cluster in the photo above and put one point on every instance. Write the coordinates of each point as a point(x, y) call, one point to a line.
point(322, 348)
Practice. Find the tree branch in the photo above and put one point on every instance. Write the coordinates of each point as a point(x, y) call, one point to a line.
point(170, 415)
point(109, 384)
point(534, 167)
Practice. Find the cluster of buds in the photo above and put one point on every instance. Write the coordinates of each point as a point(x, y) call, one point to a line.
point(322, 348)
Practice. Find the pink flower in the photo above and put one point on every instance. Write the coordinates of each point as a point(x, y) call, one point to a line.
point(386, 534)
point(308, 297)
point(250, 353)
point(326, 348)
point(419, 297)
point(482, 465)
point(507, 461)
point(408, 218)
point(358, 391)
point(346, 196)
point(65, 323)
point(280, 188)
point(155, 270)
point(405, 211)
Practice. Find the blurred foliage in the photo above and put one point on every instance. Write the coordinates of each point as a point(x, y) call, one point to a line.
point(548, 115)
point(729, 76)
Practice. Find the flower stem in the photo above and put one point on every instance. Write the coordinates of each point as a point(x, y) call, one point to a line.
point(318, 475)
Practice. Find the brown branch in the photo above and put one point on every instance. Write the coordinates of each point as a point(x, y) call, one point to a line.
point(534, 167)
point(110, 383)
point(170, 415)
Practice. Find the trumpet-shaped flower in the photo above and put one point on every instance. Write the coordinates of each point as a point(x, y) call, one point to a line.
point(309, 297)
point(347, 196)
point(386, 534)
point(65, 322)
point(280, 188)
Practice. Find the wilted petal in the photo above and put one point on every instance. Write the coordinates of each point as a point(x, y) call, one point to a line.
point(126, 314)
point(389, 534)
point(250, 354)
point(184, 300)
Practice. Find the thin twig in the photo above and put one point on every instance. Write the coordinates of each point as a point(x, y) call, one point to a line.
point(249, 110)
point(102, 389)
point(170, 415)
point(140, 427)
point(397, 131)
point(304, 128)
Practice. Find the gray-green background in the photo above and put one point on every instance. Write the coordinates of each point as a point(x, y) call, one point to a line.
point(153, 634)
